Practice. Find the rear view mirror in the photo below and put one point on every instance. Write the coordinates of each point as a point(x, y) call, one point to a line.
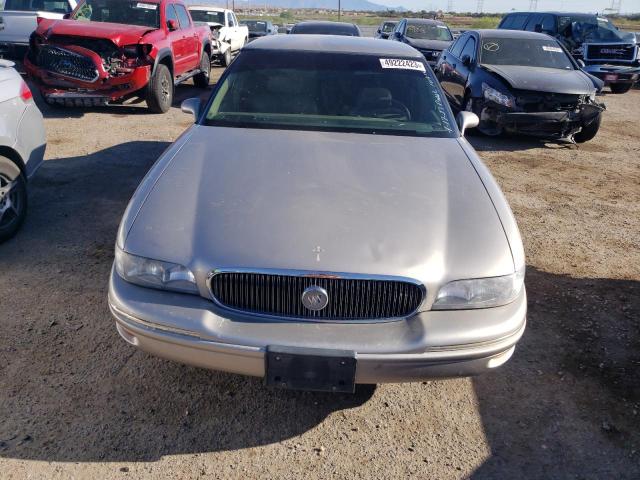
point(172, 25)
point(580, 63)
point(538, 28)
point(192, 106)
point(466, 120)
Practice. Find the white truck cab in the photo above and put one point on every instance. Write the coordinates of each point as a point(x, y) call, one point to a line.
point(19, 19)
point(227, 32)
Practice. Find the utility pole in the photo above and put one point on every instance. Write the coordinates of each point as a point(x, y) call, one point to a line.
point(339, 8)
point(480, 6)
point(533, 5)
point(450, 6)
point(615, 6)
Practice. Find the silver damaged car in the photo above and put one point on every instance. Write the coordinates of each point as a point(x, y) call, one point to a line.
point(323, 223)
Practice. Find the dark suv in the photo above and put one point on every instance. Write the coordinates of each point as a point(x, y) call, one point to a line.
point(609, 54)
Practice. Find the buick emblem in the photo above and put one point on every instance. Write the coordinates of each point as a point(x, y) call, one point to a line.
point(315, 298)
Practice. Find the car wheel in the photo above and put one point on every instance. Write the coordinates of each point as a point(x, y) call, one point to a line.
point(13, 198)
point(160, 90)
point(588, 131)
point(226, 58)
point(201, 80)
point(620, 87)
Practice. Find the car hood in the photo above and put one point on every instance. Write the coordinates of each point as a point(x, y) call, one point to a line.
point(116, 32)
point(430, 44)
point(321, 201)
point(552, 80)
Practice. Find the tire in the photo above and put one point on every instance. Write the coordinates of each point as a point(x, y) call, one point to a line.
point(226, 57)
point(13, 199)
point(588, 131)
point(201, 80)
point(620, 87)
point(160, 90)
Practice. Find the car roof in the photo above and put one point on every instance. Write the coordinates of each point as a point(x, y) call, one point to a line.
point(325, 23)
point(428, 21)
point(563, 14)
point(333, 43)
point(504, 33)
point(205, 7)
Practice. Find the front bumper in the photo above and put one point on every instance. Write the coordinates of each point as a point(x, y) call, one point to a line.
point(64, 90)
point(192, 330)
point(614, 73)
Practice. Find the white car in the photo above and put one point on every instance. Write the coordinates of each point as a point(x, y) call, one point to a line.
point(20, 18)
point(22, 146)
point(227, 32)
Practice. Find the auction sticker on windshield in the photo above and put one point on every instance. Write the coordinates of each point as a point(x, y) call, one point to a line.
point(403, 64)
point(546, 48)
point(147, 6)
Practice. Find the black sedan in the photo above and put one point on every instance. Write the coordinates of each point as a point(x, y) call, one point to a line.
point(429, 37)
point(327, 28)
point(523, 82)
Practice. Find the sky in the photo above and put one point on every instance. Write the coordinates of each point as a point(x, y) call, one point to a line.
point(627, 6)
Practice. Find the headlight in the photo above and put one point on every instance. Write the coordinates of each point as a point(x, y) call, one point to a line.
point(493, 95)
point(479, 292)
point(154, 273)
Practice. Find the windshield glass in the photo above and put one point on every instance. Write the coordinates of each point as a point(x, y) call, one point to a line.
point(588, 28)
point(207, 16)
point(428, 31)
point(387, 27)
point(318, 29)
point(525, 52)
point(331, 92)
point(255, 25)
point(53, 6)
point(119, 11)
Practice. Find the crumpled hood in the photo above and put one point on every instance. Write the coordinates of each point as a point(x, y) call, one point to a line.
point(430, 44)
point(552, 80)
point(118, 33)
point(321, 201)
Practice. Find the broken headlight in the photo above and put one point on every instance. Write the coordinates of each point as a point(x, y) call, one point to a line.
point(147, 272)
point(490, 94)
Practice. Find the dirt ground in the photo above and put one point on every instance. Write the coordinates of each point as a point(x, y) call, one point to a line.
point(77, 402)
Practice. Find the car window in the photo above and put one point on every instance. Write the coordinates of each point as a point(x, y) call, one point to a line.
point(469, 48)
point(387, 27)
point(456, 48)
point(230, 21)
point(118, 11)
point(183, 16)
point(53, 6)
point(207, 16)
point(170, 14)
point(524, 52)
point(331, 92)
point(534, 20)
point(428, 31)
point(235, 20)
point(548, 23)
point(515, 21)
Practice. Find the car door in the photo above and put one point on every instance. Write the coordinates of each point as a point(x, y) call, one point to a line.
point(190, 38)
point(232, 32)
point(398, 32)
point(178, 43)
point(447, 65)
point(460, 75)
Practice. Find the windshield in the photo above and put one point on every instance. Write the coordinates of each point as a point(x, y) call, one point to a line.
point(387, 27)
point(255, 25)
point(428, 31)
point(119, 11)
point(525, 52)
point(317, 29)
point(588, 29)
point(331, 92)
point(52, 6)
point(207, 16)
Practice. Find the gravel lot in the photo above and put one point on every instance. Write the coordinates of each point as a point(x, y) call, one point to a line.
point(77, 402)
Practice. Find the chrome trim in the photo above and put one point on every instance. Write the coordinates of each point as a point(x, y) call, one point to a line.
point(320, 274)
point(97, 73)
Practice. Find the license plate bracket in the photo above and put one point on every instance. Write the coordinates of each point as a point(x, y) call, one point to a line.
point(318, 369)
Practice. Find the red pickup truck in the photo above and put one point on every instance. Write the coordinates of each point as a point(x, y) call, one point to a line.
point(109, 51)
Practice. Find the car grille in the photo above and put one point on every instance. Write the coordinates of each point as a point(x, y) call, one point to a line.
point(611, 52)
point(67, 63)
point(349, 298)
point(547, 102)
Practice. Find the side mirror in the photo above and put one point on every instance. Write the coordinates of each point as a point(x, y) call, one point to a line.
point(378, 31)
point(66, 16)
point(397, 35)
point(466, 120)
point(192, 106)
point(466, 60)
point(172, 25)
point(580, 63)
